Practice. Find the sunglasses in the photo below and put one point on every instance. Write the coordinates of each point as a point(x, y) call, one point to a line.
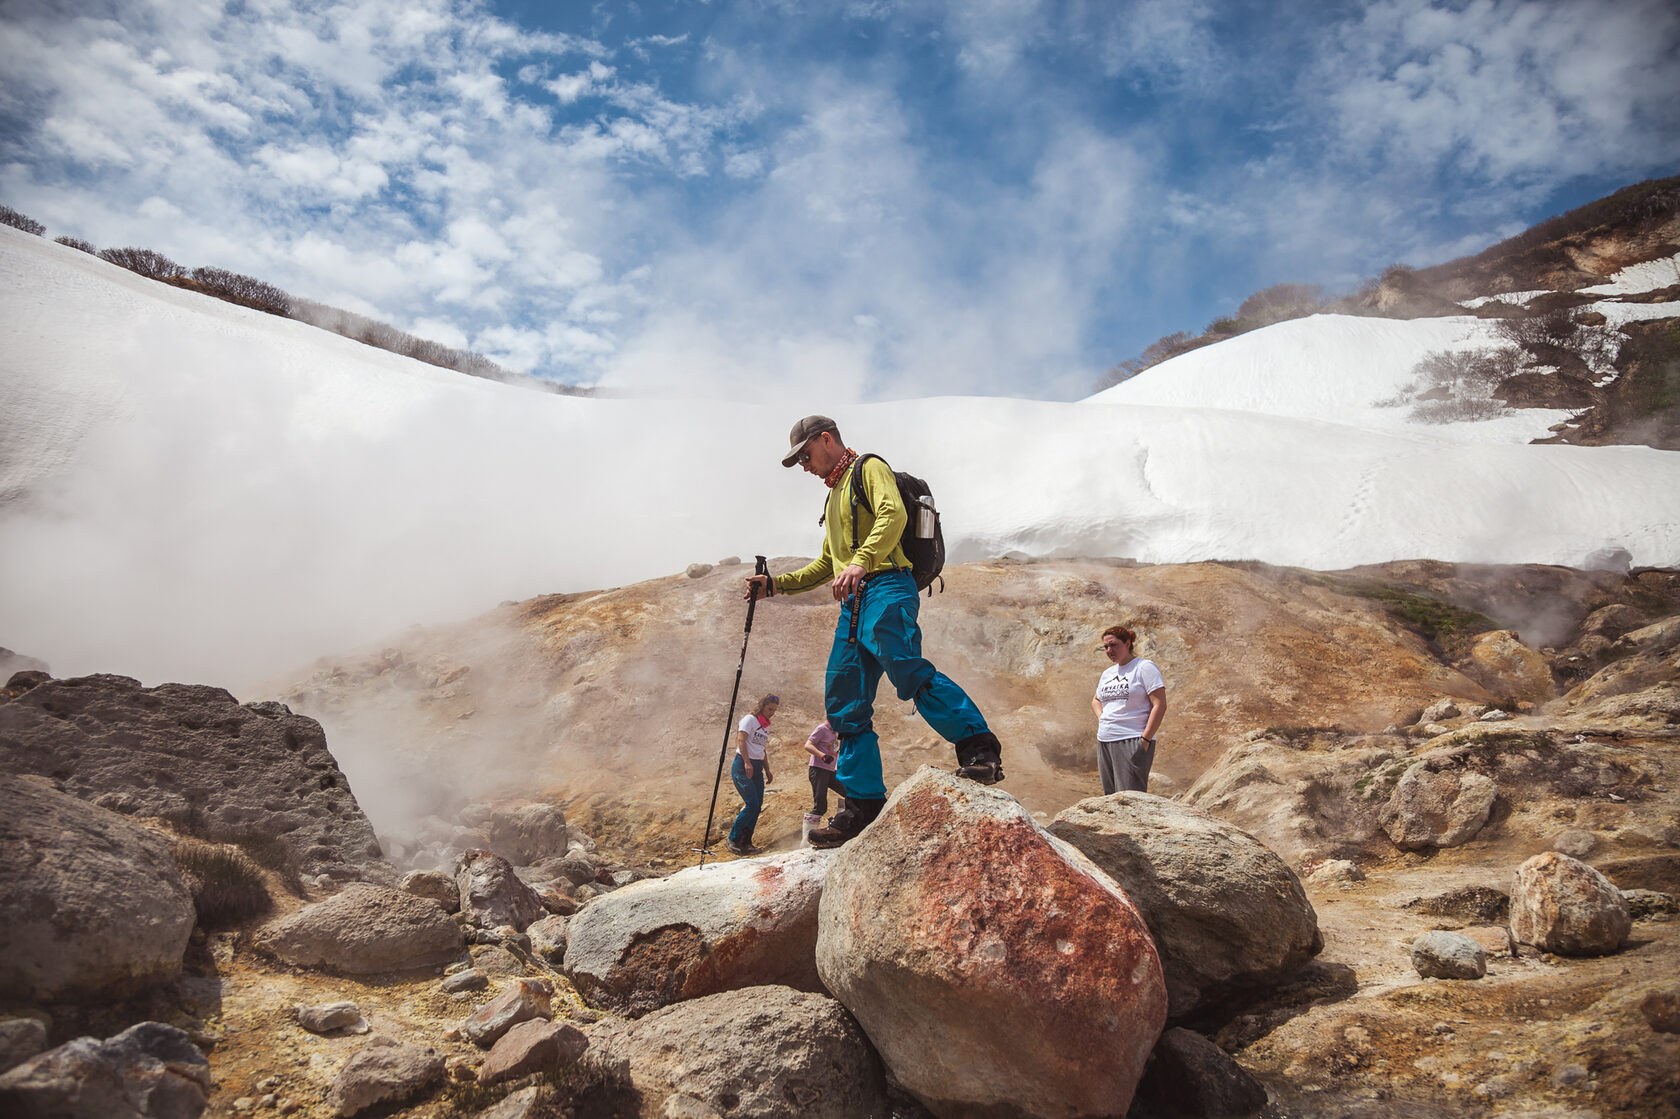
point(804, 458)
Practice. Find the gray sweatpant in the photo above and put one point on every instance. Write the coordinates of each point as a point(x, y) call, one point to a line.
point(1124, 765)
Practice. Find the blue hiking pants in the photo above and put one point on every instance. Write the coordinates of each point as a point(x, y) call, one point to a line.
point(752, 796)
point(887, 639)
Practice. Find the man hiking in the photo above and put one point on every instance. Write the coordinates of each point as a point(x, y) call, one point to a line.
point(877, 630)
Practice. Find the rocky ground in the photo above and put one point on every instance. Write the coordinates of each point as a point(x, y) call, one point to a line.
point(1402, 738)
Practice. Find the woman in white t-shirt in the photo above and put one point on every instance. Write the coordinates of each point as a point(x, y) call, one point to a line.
point(751, 772)
point(1130, 703)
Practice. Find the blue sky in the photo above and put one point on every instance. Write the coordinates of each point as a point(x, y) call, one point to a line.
point(822, 202)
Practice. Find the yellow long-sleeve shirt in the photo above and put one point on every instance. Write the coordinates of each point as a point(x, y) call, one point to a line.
point(878, 534)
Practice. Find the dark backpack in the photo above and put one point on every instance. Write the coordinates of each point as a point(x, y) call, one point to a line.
point(926, 553)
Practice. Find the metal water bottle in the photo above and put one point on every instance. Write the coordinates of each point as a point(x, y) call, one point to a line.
point(925, 518)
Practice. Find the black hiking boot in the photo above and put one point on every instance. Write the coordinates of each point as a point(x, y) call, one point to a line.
point(980, 758)
point(847, 823)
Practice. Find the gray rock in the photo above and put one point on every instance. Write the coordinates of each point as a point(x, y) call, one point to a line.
point(759, 1053)
point(995, 968)
point(1440, 711)
point(744, 923)
point(328, 1016)
point(1563, 905)
point(1575, 843)
point(523, 1000)
point(20, 1039)
point(1189, 1075)
point(1448, 955)
point(577, 867)
point(383, 1069)
point(493, 959)
point(528, 833)
point(1437, 803)
point(1228, 916)
point(517, 1105)
point(470, 980)
point(72, 873)
point(492, 894)
point(532, 1047)
point(548, 938)
point(434, 885)
point(1612, 621)
point(365, 928)
point(696, 570)
point(149, 1071)
point(196, 757)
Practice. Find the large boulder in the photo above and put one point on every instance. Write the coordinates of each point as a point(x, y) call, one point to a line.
point(1228, 916)
point(1190, 1076)
point(1438, 802)
point(524, 1000)
point(759, 1053)
point(73, 877)
point(149, 1071)
point(995, 968)
point(383, 1069)
point(492, 895)
point(746, 923)
point(527, 833)
point(365, 928)
point(532, 1047)
point(1565, 906)
point(198, 758)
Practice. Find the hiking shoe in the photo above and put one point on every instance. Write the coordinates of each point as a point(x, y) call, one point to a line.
point(742, 848)
point(830, 836)
point(984, 773)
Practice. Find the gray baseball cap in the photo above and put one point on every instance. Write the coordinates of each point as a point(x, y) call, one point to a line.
point(803, 432)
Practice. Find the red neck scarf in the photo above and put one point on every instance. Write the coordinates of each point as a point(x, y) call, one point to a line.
point(832, 478)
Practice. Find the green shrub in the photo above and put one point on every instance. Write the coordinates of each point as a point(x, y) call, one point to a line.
point(227, 887)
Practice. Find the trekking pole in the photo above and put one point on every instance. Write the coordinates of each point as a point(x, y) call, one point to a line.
point(763, 568)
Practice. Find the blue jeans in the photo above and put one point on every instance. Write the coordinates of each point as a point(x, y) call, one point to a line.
point(888, 639)
point(752, 793)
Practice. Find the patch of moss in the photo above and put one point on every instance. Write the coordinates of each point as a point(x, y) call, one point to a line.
point(1449, 627)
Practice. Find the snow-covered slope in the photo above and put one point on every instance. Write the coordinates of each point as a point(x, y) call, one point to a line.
point(202, 492)
point(1328, 367)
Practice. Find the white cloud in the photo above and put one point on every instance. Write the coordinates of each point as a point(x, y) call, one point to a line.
point(1506, 89)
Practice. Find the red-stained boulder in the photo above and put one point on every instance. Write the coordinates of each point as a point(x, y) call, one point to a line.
point(994, 967)
point(1565, 906)
point(704, 930)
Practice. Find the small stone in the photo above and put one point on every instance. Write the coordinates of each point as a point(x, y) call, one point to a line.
point(469, 980)
point(1448, 955)
point(1493, 715)
point(244, 1105)
point(696, 570)
point(1662, 1011)
point(1575, 843)
point(1567, 1075)
point(20, 1039)
point(328, 1016)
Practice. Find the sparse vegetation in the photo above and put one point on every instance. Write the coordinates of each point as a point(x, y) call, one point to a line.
point(11, 217)
point(78, 243)
point(144, 262)
point(1449, 627)
point(1275, 304)
point(246, 291)
point(1453, 385)
point(227, 887)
